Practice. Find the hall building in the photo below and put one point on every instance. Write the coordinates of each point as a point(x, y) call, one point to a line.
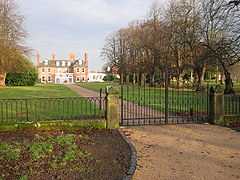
point(62, 71)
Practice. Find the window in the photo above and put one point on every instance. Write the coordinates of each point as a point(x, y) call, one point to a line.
point(49, 70)
point(63, 63)
point(78, 79)
point(49, 78)
point(46, 62)
point(69, 64)
point(57, 63)
point(43, 70)
point(43, 79)
point(77, 69)
point(83, 70)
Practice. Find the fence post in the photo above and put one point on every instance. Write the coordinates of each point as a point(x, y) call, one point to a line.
point(100, 99)
point(26, 105)
point(216, 106)
point(112, 109)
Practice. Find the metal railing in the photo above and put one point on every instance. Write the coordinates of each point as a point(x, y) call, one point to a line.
point(232, 104)
point(43, 109)
point(146, 105)
point(232, 110)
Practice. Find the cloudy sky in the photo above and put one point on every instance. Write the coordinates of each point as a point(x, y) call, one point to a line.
point(63, 26)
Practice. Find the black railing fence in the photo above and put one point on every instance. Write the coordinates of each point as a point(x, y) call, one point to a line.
point(232, 110)
point(149, 105)
point(42, 109)
point(232, 104)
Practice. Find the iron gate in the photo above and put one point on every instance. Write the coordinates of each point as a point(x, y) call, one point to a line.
point(147, 105)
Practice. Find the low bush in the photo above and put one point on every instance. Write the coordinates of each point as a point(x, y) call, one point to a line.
point(110, 78)
point(28, 78)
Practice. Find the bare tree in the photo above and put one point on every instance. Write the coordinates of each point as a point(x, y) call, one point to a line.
point(11, 37)
point(221, 36)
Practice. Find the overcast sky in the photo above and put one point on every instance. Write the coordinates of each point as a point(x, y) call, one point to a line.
point(63, 26)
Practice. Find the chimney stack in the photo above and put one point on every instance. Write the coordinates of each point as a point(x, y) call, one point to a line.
point(38, 58)
point(85, 64)
point(72, 56)
point(86, 59)
point(53, 57)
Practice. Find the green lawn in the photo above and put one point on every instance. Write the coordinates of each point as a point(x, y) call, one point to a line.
point(45, 102)
point(38, 91)
point(97, 86)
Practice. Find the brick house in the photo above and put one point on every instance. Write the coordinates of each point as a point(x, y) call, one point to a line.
point(63, 71)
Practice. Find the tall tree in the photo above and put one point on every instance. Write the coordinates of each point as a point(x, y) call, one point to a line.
point(11, 37)
point(221, 36)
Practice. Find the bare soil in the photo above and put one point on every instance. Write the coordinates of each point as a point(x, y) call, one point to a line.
point(186, 152)
point(108, 158)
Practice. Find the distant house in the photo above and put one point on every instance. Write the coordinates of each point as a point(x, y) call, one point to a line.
point(63, 71)
point(96, 76)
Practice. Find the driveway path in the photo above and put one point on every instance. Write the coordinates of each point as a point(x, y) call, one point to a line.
point(82, 91)
point(186, 152)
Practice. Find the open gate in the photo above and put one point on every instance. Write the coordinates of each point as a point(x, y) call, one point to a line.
point(147, 105)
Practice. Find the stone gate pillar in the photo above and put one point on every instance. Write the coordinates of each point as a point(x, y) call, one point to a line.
point(112, 108)
point(216, 107)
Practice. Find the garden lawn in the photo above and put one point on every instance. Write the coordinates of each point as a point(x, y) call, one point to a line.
point(95, 86)
point(84, 154)
point(38, 91)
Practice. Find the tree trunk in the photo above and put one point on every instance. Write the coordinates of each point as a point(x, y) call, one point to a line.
point(152, 80)
point(142, 79)
point(121, 78)
point(228, 81)
point(127, 79)
point(2, 78)
point(134, 78)
point(228, 84)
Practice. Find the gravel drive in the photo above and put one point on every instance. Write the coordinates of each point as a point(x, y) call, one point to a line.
point(186, 152)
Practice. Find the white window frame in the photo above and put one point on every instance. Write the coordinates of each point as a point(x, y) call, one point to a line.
point(57, 63)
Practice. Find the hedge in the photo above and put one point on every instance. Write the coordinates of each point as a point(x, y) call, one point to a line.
point(28, 78)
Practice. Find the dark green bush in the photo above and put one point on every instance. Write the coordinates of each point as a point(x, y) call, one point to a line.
point(28, 78)
point(110, 78)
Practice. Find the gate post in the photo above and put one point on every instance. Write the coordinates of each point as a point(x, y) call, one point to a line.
point(216, 106)
point(112, 108)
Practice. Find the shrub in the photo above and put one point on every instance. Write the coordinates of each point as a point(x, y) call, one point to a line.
point(110, 78)
point(28, 78)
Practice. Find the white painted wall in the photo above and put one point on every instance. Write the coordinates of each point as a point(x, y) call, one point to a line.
point(96, 76)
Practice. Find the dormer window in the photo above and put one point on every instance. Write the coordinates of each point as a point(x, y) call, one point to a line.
point(69, 64)
point(57, 63)
point(46, 62)
point(63, 63)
